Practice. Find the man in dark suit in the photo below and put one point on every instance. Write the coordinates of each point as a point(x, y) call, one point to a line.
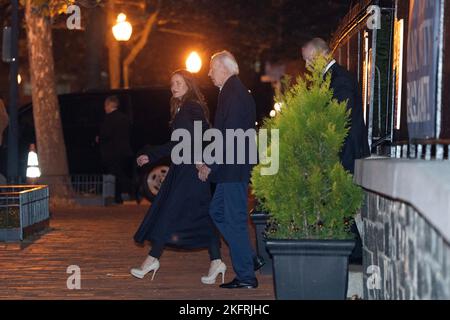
point(115, 149)
point(345, 87)
point(236, 110)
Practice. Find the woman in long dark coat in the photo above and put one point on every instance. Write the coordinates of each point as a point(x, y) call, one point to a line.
point(179, 215)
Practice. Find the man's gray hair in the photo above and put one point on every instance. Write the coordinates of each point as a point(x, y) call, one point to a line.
point(319, 44)
point(228, 61)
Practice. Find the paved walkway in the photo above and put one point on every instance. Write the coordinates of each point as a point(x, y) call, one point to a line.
point(99, 241)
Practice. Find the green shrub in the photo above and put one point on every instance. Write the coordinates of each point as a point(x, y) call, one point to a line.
point(311, 196)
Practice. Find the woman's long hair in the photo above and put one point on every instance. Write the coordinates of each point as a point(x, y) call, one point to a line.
point(193, 94)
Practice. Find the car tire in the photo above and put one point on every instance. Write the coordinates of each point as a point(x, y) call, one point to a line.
point(152, 178)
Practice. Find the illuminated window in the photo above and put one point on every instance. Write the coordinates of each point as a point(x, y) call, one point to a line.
point(366, 73)
point(398, 67)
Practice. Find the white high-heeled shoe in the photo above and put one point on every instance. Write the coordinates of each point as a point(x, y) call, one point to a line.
point(141, 272)
point(212, 275)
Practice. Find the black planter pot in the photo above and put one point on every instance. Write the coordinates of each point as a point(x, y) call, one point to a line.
point(310, 269)
point(260, 220)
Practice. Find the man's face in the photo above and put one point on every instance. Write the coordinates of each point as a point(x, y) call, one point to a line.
point(216, 73)
point(308, 53)
point(109, 107)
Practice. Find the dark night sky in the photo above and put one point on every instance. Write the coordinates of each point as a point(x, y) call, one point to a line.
point(254, 30)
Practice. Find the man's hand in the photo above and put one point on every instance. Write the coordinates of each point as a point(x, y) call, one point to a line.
point(203, 171)
point(141, 160)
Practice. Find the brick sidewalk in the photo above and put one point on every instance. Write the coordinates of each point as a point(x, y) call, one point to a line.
point(99, 241)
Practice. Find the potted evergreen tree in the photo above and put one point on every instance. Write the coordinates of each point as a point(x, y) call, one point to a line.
point(312, 198)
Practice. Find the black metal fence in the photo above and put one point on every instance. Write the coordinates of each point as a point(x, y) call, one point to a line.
point(86, 189)
point(93, 189)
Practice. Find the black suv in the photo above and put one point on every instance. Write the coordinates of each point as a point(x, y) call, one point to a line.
point(148, 108)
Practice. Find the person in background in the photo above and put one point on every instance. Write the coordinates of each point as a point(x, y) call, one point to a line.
point(115, 149)
point(356, 145)
point(345, 87)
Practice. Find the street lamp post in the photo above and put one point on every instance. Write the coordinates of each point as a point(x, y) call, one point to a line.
point(121, 53)
point(122, 31)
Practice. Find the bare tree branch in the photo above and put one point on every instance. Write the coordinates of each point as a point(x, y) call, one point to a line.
point(182, 33)
point(151, 21)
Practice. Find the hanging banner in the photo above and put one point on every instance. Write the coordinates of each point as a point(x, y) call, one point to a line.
point(422, 67)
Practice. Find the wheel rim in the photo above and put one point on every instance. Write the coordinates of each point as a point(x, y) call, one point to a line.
point(156, 177)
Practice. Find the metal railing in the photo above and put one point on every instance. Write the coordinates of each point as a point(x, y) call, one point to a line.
point(86, 189)
point(355, 15)
point(22, 206)
point(422, 149)
point(93, 189)
point(93, 185)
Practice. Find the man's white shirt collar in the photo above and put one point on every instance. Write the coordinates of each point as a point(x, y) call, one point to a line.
point(329, 65)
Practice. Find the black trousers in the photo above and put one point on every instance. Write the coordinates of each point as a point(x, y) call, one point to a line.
point(120, 168)
point(356, 256)
point(213, 249)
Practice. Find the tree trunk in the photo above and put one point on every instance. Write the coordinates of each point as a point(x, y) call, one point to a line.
point(47, 120)
point(113, 47)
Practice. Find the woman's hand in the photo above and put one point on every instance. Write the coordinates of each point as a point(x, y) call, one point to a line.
point(203, 171)
point(141, 160)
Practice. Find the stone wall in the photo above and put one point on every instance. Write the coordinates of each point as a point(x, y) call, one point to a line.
point(411, 259)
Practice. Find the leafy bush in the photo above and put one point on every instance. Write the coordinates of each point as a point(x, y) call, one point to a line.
point(311, 196)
